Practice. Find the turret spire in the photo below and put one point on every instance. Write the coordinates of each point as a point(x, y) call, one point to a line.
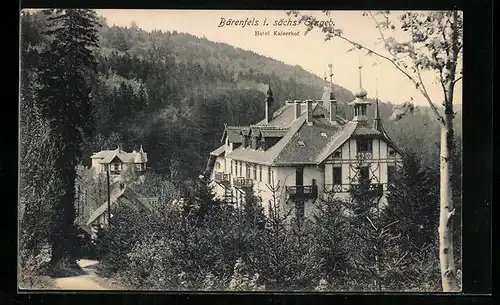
point(377, 123)
point(360, 103)
point(360, 92)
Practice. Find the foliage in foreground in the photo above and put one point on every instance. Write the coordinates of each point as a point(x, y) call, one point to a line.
point(206, 244)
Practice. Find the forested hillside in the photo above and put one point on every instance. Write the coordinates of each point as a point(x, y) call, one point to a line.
point(172, 92)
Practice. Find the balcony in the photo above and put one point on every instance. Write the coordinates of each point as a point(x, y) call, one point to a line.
point(115, 172)
point(241, 182)
point(376, 189)
point(222, 178)
point(302, 191)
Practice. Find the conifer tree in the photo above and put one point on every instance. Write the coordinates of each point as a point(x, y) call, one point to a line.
point(414, 201)
point(64, 97)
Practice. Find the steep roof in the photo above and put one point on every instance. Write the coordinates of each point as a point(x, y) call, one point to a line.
point(307, 142)
point(267, 156)
point(219, 151)
point(116, 193)
point(233, 133)
point(301, 143)
point(106, 156)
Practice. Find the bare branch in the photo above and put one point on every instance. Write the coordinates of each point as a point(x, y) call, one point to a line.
point(371, 222)
point(429, 100)
point(381, 33)
point(456, 80)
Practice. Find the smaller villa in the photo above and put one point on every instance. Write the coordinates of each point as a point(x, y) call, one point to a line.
point(118, 161)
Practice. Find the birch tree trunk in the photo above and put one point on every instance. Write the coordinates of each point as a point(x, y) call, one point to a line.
point(447, 262)
point(448, 273)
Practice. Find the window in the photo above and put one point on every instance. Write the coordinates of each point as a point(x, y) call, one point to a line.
point(337, 175)
point(254, 171)
point(269, 174)
point(363, 110)
point(139, 166)
point(217, 165)
point(337, 154)
point(231, 167)
point(364, 173)
point(364, 146)
point(241, 168)
point(390, 174)
point(236, 168)
point(260, 172)
point(116, 166)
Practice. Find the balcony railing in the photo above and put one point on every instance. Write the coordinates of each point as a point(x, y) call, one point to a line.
point(241, 182)
point(222, 177)
point(115, 172)
point(336, 188)
point(378, 188)
point(302, 191)
point(364, 155)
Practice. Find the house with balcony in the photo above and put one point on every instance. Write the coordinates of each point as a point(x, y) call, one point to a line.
point(118, 162)
point(306, 149)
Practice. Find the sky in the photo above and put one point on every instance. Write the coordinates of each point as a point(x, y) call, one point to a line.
point(310, 51)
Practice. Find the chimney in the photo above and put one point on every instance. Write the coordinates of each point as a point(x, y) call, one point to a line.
point(244, 139)
point(269, 102)
point(297, 108)
point(333, 108)
point(309, 111)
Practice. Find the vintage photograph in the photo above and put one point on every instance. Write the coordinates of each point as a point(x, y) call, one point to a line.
point(240, 150)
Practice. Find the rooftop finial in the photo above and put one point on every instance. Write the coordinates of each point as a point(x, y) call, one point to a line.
point(332, 95)
point(360, 93)
point(140, 150)
point(331, 74)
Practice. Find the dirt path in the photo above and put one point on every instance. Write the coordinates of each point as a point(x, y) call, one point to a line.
point(81, 282)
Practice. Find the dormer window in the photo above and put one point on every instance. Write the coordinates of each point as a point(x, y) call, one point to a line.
point(302, 144)
point(116, 166)
point(262, 144)
point(337, 154)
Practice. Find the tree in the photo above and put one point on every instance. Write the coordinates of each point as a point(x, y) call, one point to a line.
point(38, 184)
point(374, 253)
point(64, 98)
point(435, 44)
point(413, 200)
point(329, 230)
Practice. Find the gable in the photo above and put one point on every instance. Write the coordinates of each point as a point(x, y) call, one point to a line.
point(116, 159)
